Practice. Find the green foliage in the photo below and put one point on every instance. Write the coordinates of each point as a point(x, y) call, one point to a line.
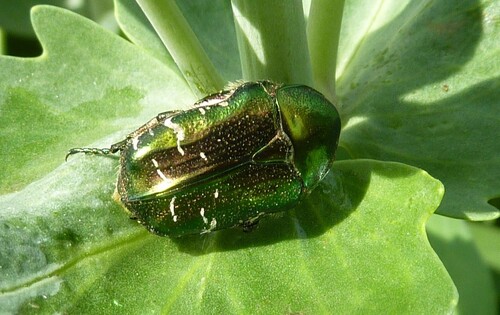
point(417, 83)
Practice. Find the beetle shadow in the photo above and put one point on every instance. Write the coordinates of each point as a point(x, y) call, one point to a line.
point(336, 197)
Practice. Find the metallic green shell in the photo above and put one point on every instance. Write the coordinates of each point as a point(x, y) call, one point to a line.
point(236, 155)
point(313, 126)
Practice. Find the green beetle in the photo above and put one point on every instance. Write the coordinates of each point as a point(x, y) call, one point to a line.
point(257, 148)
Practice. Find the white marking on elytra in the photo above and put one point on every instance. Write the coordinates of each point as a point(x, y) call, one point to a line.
point(216, 193)
point(142, 151)
point(167, 182)
point(202, 213)
point(202, 110)
point(172, 209)
point(178, 131)
point(207, 102)
point(151, 132)
point(223, 103)
point(164, 185)
point(135, 142)
point(155, 162)
point(213, 224)
point(162, 175)
point(203, 156)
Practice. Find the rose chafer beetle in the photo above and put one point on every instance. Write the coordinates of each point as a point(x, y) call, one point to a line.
point(254, 149)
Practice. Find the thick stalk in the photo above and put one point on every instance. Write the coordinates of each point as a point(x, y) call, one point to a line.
point(183, 46)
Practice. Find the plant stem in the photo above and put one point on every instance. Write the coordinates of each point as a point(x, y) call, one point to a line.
point(323, 32)
point(183, 46)
point(272, 40)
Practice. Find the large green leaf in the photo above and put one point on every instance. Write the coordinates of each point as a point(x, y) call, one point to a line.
point(66, 246)
point(353, 246)
point(419, 84)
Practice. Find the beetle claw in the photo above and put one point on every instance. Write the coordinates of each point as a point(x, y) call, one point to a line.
point(251, 224)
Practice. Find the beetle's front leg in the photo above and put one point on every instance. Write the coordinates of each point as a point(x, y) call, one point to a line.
point(119, 146)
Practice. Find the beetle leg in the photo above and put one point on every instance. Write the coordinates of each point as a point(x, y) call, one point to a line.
point(92, 151)
point(251, 224)
point(118, 146)
point(98, 151)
